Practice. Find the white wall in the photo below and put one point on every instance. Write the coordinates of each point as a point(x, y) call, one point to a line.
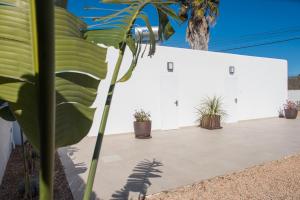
point(259, 84)
point(5, 144)
point(263, 87)
point(17, 134)
point(294, 95)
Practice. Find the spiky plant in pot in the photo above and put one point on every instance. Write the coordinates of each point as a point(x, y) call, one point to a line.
point(211, 112)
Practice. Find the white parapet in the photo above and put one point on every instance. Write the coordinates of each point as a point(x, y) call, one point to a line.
point(251, 87)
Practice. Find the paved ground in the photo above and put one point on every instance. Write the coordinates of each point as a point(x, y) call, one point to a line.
point(131, 168)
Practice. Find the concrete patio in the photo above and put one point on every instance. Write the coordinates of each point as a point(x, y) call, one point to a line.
point(130, 167)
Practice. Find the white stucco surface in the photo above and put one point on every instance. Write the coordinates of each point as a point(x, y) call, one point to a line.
point(256, 90)
point(294, 95)
point(5, 144)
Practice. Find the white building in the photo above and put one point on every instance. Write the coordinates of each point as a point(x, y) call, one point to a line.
point(251, 87)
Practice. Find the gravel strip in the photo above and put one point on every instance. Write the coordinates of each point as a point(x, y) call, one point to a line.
point(273, 180)
point(14, 174)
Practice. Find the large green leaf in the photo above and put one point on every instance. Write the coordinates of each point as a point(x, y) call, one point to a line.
point(80, 65)
point(117, 28)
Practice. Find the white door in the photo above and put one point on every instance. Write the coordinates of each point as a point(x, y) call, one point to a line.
point(231, 99)
point(169, 100)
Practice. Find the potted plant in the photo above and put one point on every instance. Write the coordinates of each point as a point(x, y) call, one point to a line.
point(210, 113)
point(142, 124)
point(290, 110)
point(281, 113)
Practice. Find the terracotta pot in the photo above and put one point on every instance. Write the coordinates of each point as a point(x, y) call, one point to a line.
point(211, 122)
point(290, 113)
point(142, 130)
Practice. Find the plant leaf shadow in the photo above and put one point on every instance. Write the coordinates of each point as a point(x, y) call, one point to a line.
point(73, 172)
point(139, 180)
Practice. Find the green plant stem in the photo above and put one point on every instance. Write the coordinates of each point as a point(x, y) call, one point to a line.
point(97, 149)
point(26, 172)
point(46, 93)
point(94, 163)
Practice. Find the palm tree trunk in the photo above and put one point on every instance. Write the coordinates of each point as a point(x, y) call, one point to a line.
point(94, 163)
point(197, 33)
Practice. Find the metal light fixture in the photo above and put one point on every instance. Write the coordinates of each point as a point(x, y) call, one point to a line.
point(170, 66)
point(231, 70)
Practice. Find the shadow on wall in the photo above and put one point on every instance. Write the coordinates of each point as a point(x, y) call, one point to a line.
point(139, 180)
point(76, 183)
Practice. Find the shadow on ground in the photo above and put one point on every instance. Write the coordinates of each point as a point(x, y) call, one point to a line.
point(139, 180)
point(76, 183)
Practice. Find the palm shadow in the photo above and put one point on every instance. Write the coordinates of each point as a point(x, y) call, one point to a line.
point(139, 180)
point(73, 172)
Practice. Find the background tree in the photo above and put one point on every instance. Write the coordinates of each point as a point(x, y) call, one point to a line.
point(201, 15)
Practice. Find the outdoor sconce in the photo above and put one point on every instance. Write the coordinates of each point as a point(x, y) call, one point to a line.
point(170, 66)
point(231, 70)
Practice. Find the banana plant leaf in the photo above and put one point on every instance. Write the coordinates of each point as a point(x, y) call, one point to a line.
point(113, 29)
point(80, 65)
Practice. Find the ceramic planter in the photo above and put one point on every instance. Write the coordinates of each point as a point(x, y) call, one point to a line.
point(291, 113)
point(142, 130)
point(211, 122)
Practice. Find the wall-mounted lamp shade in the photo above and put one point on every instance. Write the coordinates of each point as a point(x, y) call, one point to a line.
point(170, 66)
point(231, 70)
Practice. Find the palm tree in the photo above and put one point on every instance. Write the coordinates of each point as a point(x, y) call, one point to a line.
point(201, 15)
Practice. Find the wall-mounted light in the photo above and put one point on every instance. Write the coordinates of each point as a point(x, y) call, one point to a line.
point(231, 70)
point(170, 66)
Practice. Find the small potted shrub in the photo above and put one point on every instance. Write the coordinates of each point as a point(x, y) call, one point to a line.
point(142, 124)
point(290, 110)
point(210, 113)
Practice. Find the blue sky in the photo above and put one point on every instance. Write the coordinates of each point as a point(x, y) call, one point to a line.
point(241, 23)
